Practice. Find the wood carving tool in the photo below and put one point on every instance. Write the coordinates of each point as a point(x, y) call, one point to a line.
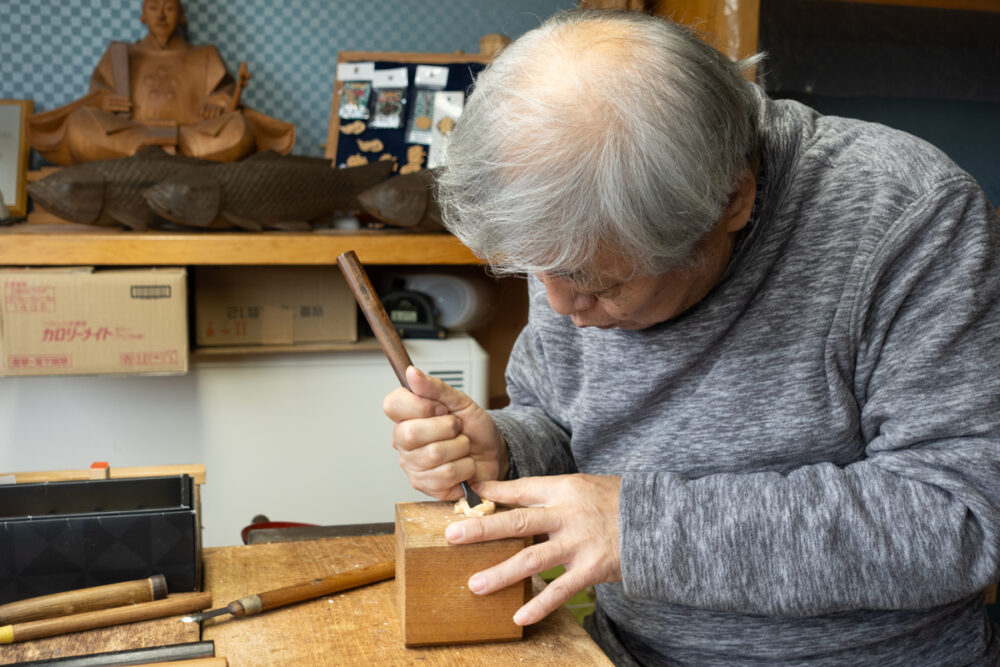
point(384, 331)
point(308, 590)
point(84, 599)
point(180, 603)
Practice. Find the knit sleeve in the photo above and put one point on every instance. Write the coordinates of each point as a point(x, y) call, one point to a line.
point(914, 522)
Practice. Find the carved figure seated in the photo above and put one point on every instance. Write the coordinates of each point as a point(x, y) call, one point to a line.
point(161, 91)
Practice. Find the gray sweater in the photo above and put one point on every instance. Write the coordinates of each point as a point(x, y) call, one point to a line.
point(811, 454)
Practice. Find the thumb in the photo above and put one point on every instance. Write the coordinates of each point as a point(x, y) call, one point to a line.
point(435, 389)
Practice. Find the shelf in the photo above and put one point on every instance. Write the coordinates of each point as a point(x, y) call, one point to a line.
point(364, 344)
point(72, 244)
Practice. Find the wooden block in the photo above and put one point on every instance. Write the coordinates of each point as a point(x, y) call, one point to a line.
point(432, 595)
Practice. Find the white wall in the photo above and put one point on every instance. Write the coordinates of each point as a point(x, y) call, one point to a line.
point(297, 437)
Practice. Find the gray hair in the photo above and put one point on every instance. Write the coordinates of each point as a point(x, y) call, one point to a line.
point(598, 130)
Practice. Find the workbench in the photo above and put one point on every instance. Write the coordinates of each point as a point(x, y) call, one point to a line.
point(358, 627)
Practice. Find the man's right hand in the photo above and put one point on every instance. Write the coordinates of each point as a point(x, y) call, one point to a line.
point(115, 103)
point(443, 437)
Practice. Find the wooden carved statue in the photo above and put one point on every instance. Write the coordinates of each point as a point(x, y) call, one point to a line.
point(160, 91)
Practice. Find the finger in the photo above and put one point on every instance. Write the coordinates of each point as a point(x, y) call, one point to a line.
point(553, 596)
point(402, 404)
point(526, 562)
point(437, 453)
point(443, 481)
point(518, 522)
point(413, 434)
point(436, 389)
point(525, 491)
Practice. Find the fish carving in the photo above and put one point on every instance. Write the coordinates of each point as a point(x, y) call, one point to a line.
point(109, 192)
point(405, 201)
point(266, 191)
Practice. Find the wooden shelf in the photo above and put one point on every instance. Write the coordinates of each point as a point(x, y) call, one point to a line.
point(71, 244)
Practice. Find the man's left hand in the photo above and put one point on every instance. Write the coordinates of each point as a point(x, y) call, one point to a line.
point(579, 515)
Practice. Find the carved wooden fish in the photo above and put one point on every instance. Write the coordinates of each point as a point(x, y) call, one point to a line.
point(109, 192)
point(267, 191)
point(405, 201)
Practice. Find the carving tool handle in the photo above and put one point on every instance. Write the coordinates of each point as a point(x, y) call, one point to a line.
point(386, 334)
point(375, 313)
point(310, 590)
point(170, 606)
point(83, 599)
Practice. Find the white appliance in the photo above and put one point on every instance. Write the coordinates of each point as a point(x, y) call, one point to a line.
point(296, 437)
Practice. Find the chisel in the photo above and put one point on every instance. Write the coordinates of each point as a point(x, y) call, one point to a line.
point(308, 590)
point(384, 331)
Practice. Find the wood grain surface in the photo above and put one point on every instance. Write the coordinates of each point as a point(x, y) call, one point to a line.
point(433, 602)
point(357, 627)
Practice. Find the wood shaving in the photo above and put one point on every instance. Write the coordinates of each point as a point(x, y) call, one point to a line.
point(482, 509)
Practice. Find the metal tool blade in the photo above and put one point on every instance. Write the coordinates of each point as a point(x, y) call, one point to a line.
point(198, 618)
point(471, 496)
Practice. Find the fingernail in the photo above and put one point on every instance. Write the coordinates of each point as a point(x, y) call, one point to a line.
point(454, 532)
point(521, 617)
point(477, 583)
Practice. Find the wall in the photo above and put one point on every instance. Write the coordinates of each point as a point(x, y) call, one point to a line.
point(931, 72)
point(296, 437)
point(48, 48)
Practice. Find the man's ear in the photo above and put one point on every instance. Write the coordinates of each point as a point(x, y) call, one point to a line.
point(740, 204)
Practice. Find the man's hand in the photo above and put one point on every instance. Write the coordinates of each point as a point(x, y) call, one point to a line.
point(443, 437)
point(578, 513)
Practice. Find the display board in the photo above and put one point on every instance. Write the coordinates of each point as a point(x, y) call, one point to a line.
point(398, 105)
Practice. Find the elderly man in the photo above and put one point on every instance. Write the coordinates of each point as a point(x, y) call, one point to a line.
point(181, 98)
point(756, 401)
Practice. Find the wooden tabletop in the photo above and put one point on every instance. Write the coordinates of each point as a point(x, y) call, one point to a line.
point(358, 627)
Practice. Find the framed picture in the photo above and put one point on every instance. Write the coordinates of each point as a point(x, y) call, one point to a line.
point(14, 154)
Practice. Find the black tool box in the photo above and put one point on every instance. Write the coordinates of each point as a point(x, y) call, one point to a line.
point(59, 536)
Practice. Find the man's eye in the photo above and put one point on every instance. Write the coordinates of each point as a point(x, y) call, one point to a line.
point(605, 292)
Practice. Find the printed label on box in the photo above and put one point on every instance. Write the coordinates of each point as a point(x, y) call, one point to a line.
point(150, 358)
point(20, 296)
point(28, 362)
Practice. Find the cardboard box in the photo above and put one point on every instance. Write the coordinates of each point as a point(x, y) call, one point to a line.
point(79, 321)
point(68, 535)
point(278, 305)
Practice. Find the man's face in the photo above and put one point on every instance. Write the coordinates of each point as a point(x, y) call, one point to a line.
point(613, 301)
point(161, 17)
